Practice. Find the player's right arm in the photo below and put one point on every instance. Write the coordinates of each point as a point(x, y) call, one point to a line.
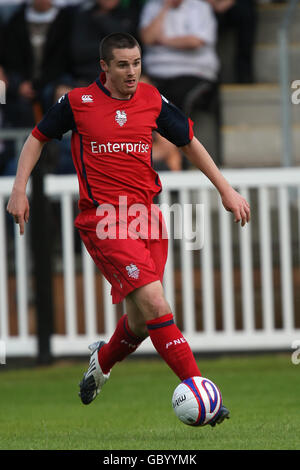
point(58, 120)
point(18, 205)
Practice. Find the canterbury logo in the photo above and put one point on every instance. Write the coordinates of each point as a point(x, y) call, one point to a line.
point(87, 99)
point(61, 98)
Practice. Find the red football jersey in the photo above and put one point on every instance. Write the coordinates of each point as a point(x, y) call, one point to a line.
point(112, 140)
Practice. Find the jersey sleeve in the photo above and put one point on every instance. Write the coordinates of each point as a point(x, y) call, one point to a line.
point(56, 122)
point(173, 124)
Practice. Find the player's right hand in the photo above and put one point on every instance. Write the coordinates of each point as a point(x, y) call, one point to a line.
point(18, 207)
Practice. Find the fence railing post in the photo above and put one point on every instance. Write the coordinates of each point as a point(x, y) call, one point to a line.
point(42, 262)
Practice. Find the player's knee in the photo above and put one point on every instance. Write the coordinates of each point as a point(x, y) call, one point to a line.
point(138, 326)
point(156, 307)
point(151, 301)
point(141, 331)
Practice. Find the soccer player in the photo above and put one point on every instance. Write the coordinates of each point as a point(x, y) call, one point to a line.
point(112, 122)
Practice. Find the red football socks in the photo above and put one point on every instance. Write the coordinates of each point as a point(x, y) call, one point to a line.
point(166, 338)
point(172, 346)
point(122, 343)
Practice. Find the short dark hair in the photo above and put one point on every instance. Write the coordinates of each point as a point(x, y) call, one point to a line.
point(116, 41)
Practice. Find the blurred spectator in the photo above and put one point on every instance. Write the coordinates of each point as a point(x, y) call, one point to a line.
point(94, 20)
point(179, 38)
point(3, 85)
point(7, 8)
point(135, 7)
point(3, 153)
point(34, 58)
point(66, 3)
point(241, 16)
point(2, 48)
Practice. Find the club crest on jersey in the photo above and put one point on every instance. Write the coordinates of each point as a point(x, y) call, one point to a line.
point(121, 117)
point(133, 271)
point(87, 99)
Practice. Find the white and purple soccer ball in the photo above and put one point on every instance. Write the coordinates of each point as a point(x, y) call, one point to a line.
point(196, 401)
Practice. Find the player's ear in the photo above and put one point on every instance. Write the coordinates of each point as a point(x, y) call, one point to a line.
point(103, 65)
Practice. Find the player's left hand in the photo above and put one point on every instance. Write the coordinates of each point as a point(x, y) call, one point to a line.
point(237, 204)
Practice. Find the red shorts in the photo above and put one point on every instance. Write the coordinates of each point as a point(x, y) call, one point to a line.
point(126, 263)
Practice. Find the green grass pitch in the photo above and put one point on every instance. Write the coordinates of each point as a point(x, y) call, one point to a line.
point(40, 408)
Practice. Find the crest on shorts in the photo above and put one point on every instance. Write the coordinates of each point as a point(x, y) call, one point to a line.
point(133, 271)
point(121, 117)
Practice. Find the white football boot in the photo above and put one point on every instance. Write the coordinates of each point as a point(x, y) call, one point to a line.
point(94, 379)
point(222, 414)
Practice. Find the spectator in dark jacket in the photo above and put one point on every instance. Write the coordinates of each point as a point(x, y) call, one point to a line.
point(3, 86)
point(92, 22)
point(241, 17)
point(36, 43)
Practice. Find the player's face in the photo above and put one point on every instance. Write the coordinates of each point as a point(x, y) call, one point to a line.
point(123, 72)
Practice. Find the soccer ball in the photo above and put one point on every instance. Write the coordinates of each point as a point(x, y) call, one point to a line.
point(196, 401)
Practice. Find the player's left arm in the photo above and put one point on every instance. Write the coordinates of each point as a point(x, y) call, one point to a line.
point(231, 199)
point(177, 128)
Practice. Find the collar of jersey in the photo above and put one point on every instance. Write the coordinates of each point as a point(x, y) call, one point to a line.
point(100, 82)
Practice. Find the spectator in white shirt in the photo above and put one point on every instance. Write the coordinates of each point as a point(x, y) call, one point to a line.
point(179, 37)
point(179, 40)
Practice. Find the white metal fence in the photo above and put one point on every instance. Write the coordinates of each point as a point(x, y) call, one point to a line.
point(239, 292)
